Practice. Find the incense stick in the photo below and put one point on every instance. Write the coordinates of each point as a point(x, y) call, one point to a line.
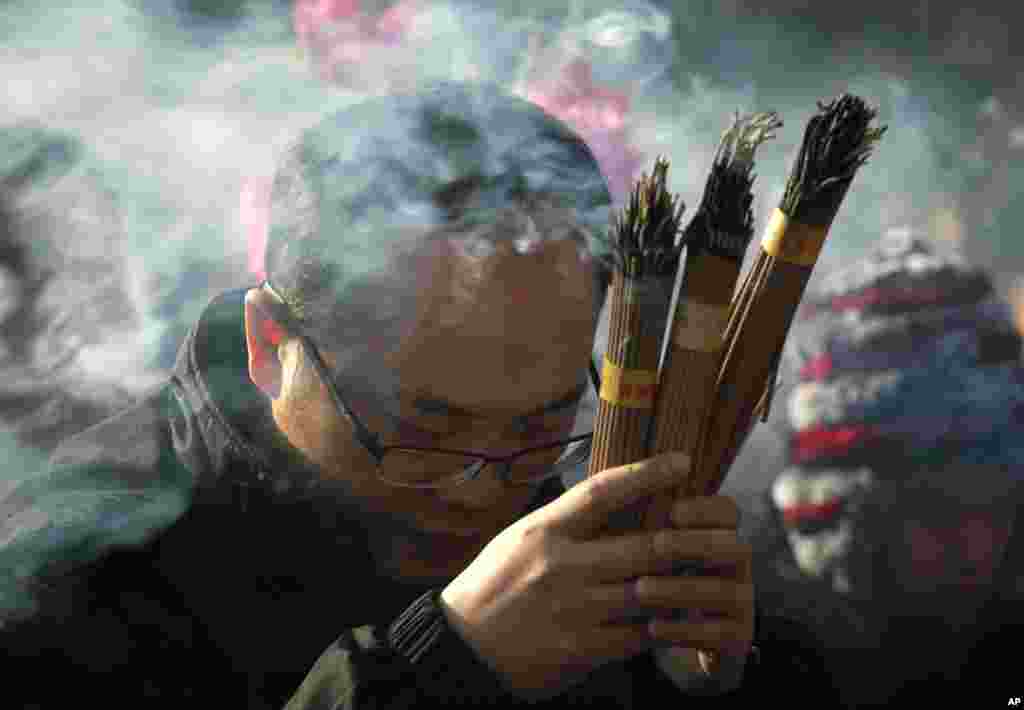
point(716, 240)
point(837, 141)
point(646, 258)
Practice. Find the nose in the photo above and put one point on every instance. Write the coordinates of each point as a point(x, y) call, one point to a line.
point(486, 488)
point(481, 493)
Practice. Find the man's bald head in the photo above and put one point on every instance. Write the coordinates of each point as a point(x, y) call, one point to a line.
point(361, 198)
point(444, 253)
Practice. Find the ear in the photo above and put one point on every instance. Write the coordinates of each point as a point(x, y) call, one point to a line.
point(263, 335)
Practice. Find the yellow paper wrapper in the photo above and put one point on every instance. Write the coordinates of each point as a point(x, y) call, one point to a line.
point(793, 242)
point(624, 387)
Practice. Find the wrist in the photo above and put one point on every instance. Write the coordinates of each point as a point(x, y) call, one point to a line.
point(449, 668)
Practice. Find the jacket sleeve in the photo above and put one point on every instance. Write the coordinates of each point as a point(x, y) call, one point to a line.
point(419, 661)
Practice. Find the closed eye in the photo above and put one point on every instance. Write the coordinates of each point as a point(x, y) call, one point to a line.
point(409, 433)
point(553, 425)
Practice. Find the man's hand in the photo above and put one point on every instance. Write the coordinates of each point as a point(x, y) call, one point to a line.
point(549, 600)
point(729, 582)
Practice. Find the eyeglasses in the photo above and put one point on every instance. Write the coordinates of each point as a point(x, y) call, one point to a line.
point(431, 468)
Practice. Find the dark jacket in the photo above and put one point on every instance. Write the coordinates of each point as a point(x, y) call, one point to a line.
point(180, 554)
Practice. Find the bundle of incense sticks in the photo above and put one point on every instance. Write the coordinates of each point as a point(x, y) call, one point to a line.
point(837, 141)
point(716, 240)
point(646, 254)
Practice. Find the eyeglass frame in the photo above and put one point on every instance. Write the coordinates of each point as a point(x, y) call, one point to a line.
point(371, 441)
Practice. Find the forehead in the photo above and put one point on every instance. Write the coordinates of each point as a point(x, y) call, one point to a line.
point(499, 330)
point(472, 207)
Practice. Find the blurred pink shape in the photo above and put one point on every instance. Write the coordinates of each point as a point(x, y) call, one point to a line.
point(254, 216)
point(311, 15)
point(341, 38)
point(339, 35)
point(599, 115)
point(395, 22)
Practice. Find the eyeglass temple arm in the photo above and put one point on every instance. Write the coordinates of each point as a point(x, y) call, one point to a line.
point(366, 437)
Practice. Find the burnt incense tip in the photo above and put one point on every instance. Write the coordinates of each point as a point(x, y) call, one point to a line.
point(838, 140)
point(724, 222)
point(646, 230)
point(741, 139)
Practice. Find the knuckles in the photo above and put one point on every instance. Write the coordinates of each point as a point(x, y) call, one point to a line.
point(589, 493)
point(545, 553)
point(533, 532)
point(735, 599)
point(594, 489)
point(542, 571)
point(710, 511)
point(671, 467)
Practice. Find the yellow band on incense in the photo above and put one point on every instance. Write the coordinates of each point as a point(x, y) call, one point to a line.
point(699, 326)
point(793, 242)
point(628, 388)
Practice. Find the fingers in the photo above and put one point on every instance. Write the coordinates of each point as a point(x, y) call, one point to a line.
point(706, 512)
point(709, 595)
point(584, 509)
point(649, 597)
point(616, 559)
point(599, 604)
point(726, 636)
point(617, 641)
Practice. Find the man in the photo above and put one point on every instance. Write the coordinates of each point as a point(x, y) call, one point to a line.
point(362, 455)
point(900, 501)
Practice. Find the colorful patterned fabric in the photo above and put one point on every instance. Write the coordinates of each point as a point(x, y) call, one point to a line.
point(906, 368)
point(908, 344)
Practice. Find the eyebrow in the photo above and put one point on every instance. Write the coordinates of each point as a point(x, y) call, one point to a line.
point(432, 405)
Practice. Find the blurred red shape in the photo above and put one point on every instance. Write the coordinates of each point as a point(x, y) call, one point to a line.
point(599, 115)
point(827, 442)
point(254, 216)
point(798, 513)
point(817, 368)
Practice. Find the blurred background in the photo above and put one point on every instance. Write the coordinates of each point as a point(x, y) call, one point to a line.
point(176, 108)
